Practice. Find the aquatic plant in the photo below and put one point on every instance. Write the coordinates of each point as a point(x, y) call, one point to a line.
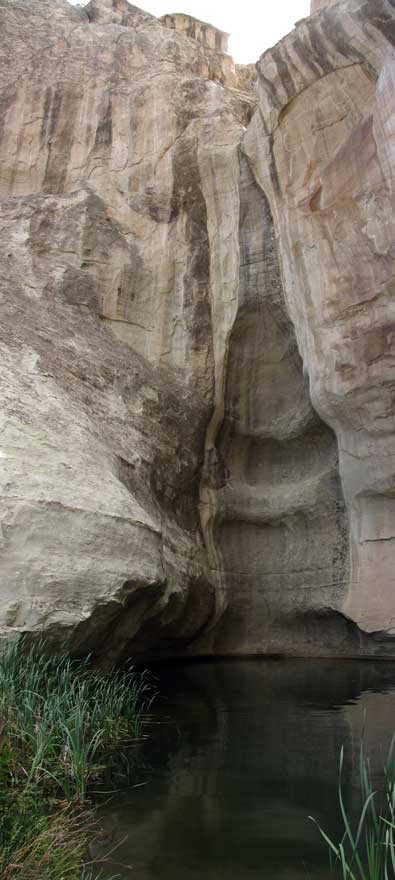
point(38, 842)
point(61, 721)
point(62, 718)
point(366, 849)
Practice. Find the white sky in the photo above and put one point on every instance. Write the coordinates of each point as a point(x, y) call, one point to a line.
point(254, 25)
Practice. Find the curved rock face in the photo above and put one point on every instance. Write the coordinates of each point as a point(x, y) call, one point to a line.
point(327, 123)
point(196, 304)
point(118, 153)
point(277, 522)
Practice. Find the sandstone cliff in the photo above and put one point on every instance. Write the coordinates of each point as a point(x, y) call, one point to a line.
point(326, 125)
point(197, 420)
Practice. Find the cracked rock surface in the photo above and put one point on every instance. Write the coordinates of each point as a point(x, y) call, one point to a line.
point(197, 333)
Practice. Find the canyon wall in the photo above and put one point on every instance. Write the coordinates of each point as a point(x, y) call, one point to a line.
point(318, 5)
point(197, 434)
point(327, 121)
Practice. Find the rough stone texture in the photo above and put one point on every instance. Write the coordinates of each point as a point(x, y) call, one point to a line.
point(205, 33)
point(192, 309)
point(273, 491)
point(117, 145)
point(322, 148)
point(318, 5)
point(97, 487)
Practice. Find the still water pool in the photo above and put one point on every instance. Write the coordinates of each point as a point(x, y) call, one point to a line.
point(240, 754)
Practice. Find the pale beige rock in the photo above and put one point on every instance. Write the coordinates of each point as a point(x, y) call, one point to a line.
point(98, 526)
point(322, 148)
point(202, 31)
point(197, 305)
point(105, 137)
point(271, 494)
point(319, 5)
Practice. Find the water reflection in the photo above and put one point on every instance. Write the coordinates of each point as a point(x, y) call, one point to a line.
point(250, 750)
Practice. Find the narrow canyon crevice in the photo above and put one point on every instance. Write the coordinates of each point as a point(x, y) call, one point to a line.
point(278, 522)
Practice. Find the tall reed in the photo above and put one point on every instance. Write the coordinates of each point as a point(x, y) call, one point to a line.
point(366, 849)
point(62, 718)
point(62, 721)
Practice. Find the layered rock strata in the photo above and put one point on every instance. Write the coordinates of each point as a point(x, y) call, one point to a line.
point(275, 512)
point(117, 143)
point(197, 439)
point(326, 124)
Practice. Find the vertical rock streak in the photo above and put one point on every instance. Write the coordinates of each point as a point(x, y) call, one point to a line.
point(197, 332)
point(330, 133)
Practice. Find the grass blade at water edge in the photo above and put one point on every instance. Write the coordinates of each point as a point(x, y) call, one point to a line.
point(62, 720)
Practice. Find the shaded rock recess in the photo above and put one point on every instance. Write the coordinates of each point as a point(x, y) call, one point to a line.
point(197, 336)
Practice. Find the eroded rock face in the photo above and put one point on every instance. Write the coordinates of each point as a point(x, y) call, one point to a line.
point(99, 526)
point(111, 188)
point(318, 5)
point(322, 148)
point(277, 521)
point(197, 439)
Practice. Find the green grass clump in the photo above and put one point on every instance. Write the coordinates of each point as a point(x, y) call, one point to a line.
point(62, 722)
point(366, 850)
point(39, 841)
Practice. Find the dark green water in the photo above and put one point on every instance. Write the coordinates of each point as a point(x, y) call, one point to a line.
point(240, 755)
